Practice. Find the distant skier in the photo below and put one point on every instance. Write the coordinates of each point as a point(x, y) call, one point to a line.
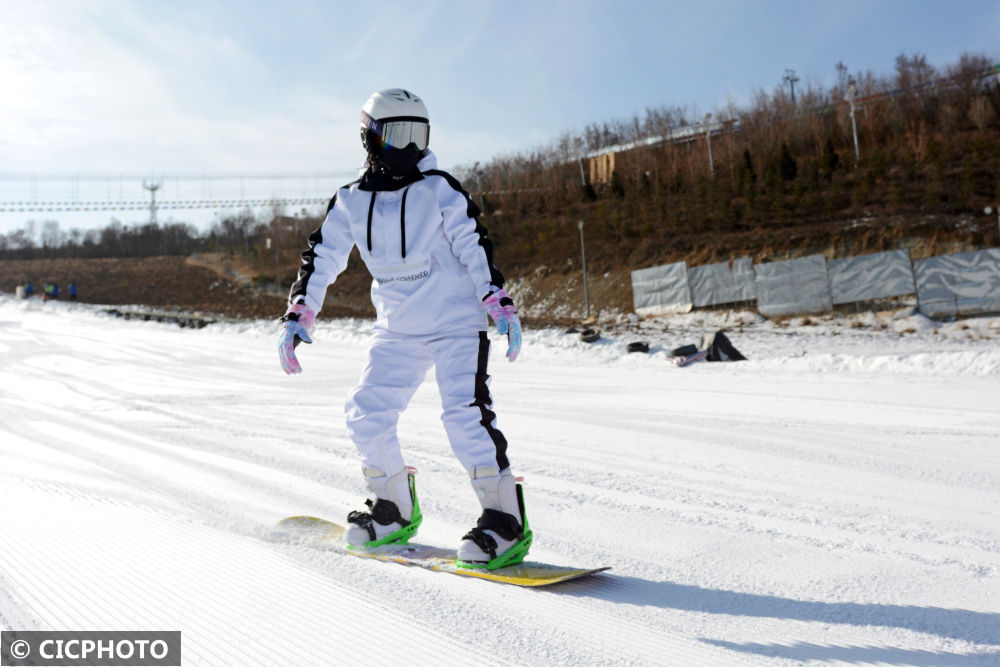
point(434, 281)
point(72, 290)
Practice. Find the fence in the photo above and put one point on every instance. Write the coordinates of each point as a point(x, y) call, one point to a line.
point(968, 282)
point(661, 290)
point(793, 286)
point(960, 284)
point(725, 282)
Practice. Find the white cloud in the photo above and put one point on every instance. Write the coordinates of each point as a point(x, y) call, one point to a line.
point(96, 87)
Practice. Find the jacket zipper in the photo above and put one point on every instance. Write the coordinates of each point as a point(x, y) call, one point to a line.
point(402, 226)
point(371, 207)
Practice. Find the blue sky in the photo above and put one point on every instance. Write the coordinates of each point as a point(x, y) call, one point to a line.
point(109, 87)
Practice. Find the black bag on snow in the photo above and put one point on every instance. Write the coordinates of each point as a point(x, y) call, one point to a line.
point(720, 349)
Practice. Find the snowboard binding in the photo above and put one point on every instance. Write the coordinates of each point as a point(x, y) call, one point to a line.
point(385, 512)
point(507, 527)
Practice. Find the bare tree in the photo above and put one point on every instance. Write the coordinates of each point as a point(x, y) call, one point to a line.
point(913, 72)
point(981, 112)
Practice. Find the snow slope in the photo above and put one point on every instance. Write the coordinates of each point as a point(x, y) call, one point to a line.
point(836, 499)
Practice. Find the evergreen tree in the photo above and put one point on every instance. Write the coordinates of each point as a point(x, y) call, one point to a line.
point(748, 182)
point(830, 160)
point(616, 185)
point(748, 177)
point(786, 165)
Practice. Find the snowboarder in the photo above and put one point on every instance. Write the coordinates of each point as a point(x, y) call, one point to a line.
point(434, 282)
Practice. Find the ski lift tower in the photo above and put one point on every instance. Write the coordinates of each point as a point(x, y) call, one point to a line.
point(791, 80)
point(152, 186)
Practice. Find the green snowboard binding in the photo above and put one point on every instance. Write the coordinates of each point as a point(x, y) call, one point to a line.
point(385, 512)
point(505, 526)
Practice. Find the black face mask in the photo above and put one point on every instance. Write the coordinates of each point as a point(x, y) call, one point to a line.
point(390, 163)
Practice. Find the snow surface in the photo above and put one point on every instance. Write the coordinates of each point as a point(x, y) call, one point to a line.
point(836, 499)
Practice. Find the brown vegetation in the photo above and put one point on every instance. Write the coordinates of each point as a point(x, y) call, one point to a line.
point(783, 178)
point(783, 181)
point(167, 283)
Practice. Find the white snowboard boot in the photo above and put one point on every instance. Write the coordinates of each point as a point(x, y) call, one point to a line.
point(394, 515)
point(501, 536)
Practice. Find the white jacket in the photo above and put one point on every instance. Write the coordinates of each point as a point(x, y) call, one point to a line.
point(430, 259)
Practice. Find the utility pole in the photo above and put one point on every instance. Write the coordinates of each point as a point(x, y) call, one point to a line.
point(708, 138)
point(578, 145)
point(583, 257)
point(791, 80)
point(246, 241)
point(277, 254)
point(988, 210)
point(852, 93)
point(479, 184)
point(152, 186)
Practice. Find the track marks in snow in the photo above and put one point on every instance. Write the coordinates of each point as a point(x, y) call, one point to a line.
point(780, 517)
point(130, 570)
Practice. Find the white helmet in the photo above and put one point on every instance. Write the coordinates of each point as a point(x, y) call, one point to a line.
point(396, 118)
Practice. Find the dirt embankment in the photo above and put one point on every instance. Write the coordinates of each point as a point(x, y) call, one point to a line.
point(550, 293)
point(214, 285)
point(169, 283)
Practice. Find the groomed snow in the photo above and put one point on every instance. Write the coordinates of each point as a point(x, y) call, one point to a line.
point(836, 499)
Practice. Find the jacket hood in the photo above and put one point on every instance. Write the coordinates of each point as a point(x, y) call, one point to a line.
point(428, 161)
point(375, 181)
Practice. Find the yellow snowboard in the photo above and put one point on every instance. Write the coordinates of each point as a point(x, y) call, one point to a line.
point(320, 532)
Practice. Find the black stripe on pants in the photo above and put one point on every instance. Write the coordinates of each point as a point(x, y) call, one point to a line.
point(484, 401)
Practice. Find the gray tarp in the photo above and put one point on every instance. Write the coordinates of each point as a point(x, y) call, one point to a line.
point(877, 276)
point(793, 287)
point(725, 282)
point(660, 290)
point(968, 282)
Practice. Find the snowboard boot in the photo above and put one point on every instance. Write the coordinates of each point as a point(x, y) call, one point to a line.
point(392, 518)
point(501, 536)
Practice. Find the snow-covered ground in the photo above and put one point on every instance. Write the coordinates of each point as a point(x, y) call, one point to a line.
point(836, 499)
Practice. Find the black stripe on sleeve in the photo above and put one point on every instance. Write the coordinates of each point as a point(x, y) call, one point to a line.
point(297, 294)
point(496, 278)
point(301, 284)
point(471, 210)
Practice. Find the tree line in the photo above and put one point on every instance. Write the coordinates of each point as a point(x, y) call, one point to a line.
point(240, 231)
point(928, 144)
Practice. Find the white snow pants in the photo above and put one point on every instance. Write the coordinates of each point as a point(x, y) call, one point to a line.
point(396, 367)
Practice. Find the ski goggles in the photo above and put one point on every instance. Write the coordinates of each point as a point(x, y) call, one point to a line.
point(398, 132)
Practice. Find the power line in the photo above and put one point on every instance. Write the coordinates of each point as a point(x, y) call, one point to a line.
point(135, 205)
point(227, 176)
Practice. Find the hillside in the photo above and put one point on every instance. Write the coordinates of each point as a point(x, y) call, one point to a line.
point(771, 179)
point(169, 283)
point(774, 179)
point(548, 292)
